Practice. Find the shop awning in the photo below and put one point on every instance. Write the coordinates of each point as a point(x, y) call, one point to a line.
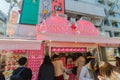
point(83, 39)
point(21, 44)
point(57, 28)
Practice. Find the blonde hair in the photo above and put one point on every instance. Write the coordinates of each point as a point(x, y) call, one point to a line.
point(106, 69)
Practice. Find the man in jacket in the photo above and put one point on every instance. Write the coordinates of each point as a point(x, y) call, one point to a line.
point(26, 74)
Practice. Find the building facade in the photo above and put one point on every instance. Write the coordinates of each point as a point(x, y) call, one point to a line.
point(104, 14)
point(3, 21)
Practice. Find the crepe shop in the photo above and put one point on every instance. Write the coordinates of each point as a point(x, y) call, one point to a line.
point(62, 36)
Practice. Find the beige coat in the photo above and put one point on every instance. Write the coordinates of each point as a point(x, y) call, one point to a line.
point(58, 67)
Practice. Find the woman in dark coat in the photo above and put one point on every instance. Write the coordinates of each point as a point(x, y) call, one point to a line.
point(2, 76)
point(46, 71)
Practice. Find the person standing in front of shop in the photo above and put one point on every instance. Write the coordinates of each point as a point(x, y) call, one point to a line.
point(58, 67)
point(80, 63)
point(2, 76)
point(108, 71)
point(46, 71)
point(89, 57)
point(26, 73)
point(88, 71)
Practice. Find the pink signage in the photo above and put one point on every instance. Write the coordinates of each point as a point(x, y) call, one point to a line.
point(58, 6)
point(86, 28)
point(56, 25)
point(68, 49)
point(60, 25)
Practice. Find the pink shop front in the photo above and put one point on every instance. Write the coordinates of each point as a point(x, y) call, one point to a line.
point(62, 36)
point(65, 38)
point(13, 49)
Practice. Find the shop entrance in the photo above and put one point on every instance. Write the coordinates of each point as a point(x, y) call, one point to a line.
point(68, 54)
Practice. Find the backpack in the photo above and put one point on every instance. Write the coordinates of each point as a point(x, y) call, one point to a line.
point(17, 76)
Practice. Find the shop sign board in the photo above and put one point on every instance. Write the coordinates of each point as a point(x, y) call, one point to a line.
point(68, 49)
point(59, 25)
point(58, 6)
point(29, 13)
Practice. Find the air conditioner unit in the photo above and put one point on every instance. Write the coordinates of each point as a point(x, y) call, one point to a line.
point(62, 15)
point(85, 18)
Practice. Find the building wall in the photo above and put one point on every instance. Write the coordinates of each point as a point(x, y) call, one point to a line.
point(3, 21)
point(84, 7)
point(105, 14)
point(112, 8)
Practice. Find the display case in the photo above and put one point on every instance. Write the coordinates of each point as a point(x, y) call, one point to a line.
point(9, 60)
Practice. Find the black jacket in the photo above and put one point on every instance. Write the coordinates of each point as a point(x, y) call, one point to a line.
point(46, 72)
point(2, 76)
point(26, 73)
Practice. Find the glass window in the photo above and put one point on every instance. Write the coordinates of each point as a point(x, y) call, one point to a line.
point(1, 24)
point(118, 24)
point(106, 22)
point(109, 32)
point(101, 1)
point(117, 15)
point(118, 6)
point(111, 53)
point(117, 34)
point(114, 24)
point(89, 1)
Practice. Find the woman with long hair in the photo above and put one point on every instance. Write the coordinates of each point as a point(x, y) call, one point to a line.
point(108, 72)
point(88, 71)
point(2, 77)
point(46, 70)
